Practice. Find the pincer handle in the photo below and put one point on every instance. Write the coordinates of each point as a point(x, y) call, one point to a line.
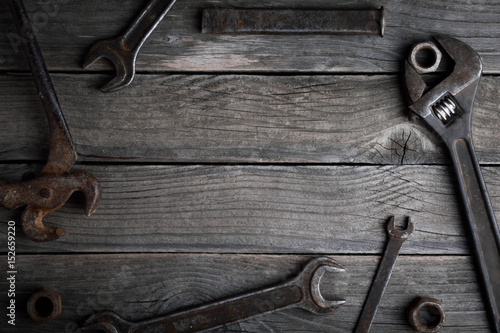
point(482, 223)
point(62, 153)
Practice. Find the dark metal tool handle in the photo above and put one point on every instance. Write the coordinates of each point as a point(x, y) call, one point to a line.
point(483, 226)
point(145, 23)
point(62, 150)
point(223, 312)
point(379, 284)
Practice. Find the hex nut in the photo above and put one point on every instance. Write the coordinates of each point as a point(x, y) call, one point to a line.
point(425, 46)
point(414, 310)
point(44, 305)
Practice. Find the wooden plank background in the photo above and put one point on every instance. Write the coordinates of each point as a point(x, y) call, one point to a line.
point(233, 160)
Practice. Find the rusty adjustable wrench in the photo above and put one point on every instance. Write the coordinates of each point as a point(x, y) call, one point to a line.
point(447, 109)
point(383, 275)
point(302, 291)
point(51, 189)
point(122, 51)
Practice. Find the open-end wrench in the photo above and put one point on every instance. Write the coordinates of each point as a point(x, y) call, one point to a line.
point(122, 51)
point(383, 275)
point(447, 109)
point(51, 189)
point(303, 292)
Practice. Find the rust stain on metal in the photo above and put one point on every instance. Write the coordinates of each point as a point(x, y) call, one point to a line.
point(294, 21)
point(55, 184)
point(418, 305)
point(44, 305)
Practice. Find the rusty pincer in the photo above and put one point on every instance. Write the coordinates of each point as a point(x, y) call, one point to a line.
point(50, 190)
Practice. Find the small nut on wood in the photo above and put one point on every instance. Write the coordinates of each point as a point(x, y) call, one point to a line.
point(420, 303)
point(44, 305)
point(431, 68)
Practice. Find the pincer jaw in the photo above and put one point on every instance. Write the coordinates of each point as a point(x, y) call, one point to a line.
point(45, 194)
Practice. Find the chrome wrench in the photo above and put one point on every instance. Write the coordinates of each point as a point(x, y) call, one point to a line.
point(447, 109)
point(303, 292)
point(383, 275)
point(122, 51)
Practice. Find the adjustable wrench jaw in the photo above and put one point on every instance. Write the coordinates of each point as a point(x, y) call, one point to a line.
point(447, 107)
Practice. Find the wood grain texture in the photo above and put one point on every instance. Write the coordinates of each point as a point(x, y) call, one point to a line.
point(144, 286)
point(260, 209)
point(67, 29)
point(238, 118)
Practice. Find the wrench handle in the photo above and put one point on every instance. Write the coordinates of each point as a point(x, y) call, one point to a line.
point(219, 313)
point(62, 153)
point(145, 23)
point(481, 221)
point(380, 282)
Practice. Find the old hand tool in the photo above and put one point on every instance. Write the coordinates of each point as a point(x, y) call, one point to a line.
point(447, 109)
point(122, 51)
point(384, 271)
point(425, 302)
point(44, 305)
point(303, 292)
point(294, 21)
point(55, 184)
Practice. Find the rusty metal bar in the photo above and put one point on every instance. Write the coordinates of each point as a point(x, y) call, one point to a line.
point(294, 21)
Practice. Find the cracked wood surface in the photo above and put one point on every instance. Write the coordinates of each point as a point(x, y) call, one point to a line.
point(260, 209)
point(232, 160)
point(67, 29)
point(238, 118)
point(141, 286)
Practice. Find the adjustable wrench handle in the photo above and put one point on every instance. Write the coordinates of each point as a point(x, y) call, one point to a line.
point(145, 23)
point(62, 153)
point(481, 221)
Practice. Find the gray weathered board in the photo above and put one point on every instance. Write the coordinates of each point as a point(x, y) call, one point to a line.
point(140, 286)
point(261, 209)
point(238, 118)
point(70, 28)
point(232, 160)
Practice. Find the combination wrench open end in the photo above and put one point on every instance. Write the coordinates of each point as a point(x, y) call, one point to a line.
point(122, 51)
point(302, 291)
point(447, 109)
point(50, 190)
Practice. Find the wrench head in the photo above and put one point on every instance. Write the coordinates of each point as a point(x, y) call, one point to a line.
point(453, 97)
point(397, 233)
point(108, 322)
point(122, 59)
point(310, 280)
point(45, 194)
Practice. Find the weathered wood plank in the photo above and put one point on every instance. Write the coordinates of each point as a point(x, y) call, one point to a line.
point(143, 286)
point(67, 29)
point(239, 118)
point(260, 209)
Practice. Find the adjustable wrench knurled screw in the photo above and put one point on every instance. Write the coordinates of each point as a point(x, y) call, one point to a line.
point(303, 292)
point(383, 275)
